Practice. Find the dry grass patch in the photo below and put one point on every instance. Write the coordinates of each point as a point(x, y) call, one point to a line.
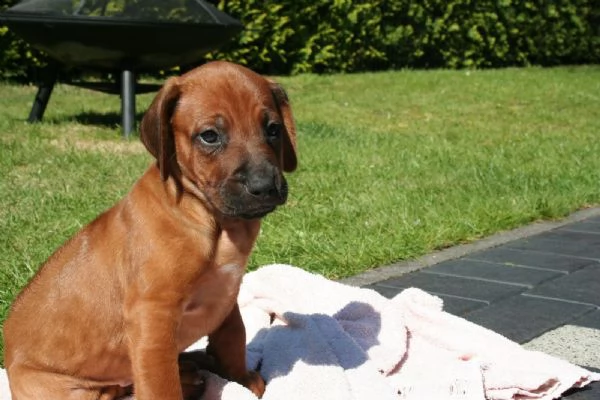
point(98, 146)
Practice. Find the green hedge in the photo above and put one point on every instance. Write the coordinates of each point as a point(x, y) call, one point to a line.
point(18, 60)
point(294, 36)
point(351, 35)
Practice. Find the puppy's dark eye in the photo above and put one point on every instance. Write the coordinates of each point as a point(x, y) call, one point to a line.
point(273, 131)
point(209, 138)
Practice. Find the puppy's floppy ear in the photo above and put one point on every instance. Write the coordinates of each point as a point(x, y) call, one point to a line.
point(289, 138)
point(156, 131)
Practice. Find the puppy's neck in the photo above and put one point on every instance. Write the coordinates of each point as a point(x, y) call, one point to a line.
point(188, 203)
point(236, 236)
point(175, 204)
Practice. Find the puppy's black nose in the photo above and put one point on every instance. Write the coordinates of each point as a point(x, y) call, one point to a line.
point(262, 186)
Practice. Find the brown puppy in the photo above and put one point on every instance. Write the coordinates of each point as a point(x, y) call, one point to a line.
point(119, 301)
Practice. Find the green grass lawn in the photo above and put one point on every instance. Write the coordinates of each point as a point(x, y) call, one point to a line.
point(391, 165)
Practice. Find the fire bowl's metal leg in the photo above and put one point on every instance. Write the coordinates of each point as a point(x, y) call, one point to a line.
point(41, 100)
point(128, 101)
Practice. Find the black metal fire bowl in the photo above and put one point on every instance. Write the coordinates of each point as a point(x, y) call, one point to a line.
point(121, 44)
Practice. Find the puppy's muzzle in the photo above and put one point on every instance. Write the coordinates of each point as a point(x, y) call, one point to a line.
point(254, 191)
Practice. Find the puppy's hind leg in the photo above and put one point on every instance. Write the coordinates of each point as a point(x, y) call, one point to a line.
point(31, 384)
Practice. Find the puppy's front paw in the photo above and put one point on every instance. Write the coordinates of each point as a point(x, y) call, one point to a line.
point(192, 382)
point(255, 383)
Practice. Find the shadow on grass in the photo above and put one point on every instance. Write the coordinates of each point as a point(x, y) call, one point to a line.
point(108, 119)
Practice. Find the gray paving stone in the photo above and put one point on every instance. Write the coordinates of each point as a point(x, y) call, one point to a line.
point(522, 318)
point(454, 305)
point(583, 226)
point(495, 272)
point(465, 288)
point(590, 392)
point(386, 291)
point(578, 244)
point(555, 262)
point(577, 237)
point(589, 320)
point(580, 286)
point(459, 306)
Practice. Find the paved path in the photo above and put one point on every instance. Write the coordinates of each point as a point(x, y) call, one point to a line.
point(538, 285)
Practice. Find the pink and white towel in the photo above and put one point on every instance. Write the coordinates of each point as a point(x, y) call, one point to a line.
point(316, 338)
